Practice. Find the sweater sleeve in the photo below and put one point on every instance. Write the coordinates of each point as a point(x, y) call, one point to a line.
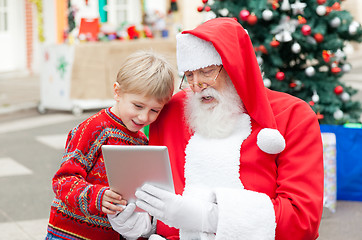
point(70, 183)
point(298, 203)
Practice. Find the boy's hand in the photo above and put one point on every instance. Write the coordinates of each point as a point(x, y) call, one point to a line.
point(111, 201)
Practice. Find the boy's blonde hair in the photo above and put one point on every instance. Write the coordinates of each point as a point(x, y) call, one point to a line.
point(147, 73)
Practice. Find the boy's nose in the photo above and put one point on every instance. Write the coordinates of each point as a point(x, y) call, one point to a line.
point(143, 116)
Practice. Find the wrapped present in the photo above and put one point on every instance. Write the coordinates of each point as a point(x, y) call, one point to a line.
point(330, 179)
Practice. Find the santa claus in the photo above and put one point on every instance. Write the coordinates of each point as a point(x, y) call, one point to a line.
point(246, 161)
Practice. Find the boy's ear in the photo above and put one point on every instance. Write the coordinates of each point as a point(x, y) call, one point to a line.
point(116, 91)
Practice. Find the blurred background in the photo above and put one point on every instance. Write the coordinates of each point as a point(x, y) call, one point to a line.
point(59, 58)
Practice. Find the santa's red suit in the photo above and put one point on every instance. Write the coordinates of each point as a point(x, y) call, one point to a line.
point(259, 195)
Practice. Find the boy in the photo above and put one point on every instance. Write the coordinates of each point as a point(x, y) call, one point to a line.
point(83, 199)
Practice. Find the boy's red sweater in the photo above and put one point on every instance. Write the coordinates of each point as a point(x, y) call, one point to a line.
point(80, 182)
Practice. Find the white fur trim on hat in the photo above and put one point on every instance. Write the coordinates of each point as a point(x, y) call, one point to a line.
point(194, 53)
point(270, 141)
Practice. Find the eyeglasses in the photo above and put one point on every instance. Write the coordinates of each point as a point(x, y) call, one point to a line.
point(189, 81)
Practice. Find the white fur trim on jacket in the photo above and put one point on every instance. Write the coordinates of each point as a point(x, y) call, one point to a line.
point(244, 214)
point(194, 53)
point(213, 163)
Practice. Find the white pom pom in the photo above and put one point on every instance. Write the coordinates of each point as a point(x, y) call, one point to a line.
point(270, 141)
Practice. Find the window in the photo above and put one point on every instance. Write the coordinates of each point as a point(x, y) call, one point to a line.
point(124, 11)
point(3, 16)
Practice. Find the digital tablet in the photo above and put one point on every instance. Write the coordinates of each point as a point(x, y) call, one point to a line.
point(130, 166)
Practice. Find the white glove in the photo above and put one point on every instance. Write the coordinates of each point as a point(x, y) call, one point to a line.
point(131, 224)
point(156, 237)
point(178, 211)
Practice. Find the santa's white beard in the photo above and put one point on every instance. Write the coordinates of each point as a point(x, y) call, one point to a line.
point(216, 119)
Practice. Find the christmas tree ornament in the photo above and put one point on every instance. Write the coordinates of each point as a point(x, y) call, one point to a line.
point(299, 85)
point(321, 10)
point(292, 85)
point(267, 15)
point(274, 3)
point(336, 6)
point(298, 7)
point(284, 36)
point(267, 82)
point(339, 55)
point(321, 2)
point(306, 30)
point(318, 37)
point(283, 32)
point(200, 8)
point(352, 29)
point(345, 97)
point(261, 49)
point(244, 14)
point(207, 9)
point(204, 1)
point(320, 116)
point(335, 22)
point(338, 90)
point(336, 70)
point(260, 60)
point(296, 48)
point(315, 97)
point(223, 12)
point(252, 19)
point(338, 114)
point(326, 56)
point(346, 68)
point(285, 6)
point(274, 43)
point(310, 71)
point(302, 20)
point(280, 76)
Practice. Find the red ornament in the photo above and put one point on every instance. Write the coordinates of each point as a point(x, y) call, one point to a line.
point(302, 20)
point(326, 55)
point(321, 2)
point(274, 43)
point(306, 30)
point(262, 49)
point(320, 116)
point(292, 84)
point(207, 8)
point(204, 1)
point(311, 103)
point(252, 19)
point(336, 70)
point(338, 90)
point(318, 37)
point(200, 8)
point(244, 14)
point(280, 76)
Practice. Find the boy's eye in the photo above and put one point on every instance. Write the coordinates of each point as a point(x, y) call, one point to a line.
point(155, 111)
point(137, 106)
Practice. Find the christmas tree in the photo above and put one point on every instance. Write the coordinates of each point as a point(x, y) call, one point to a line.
point(300, 47)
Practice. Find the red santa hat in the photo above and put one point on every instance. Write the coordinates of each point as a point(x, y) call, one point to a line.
point(223, 41)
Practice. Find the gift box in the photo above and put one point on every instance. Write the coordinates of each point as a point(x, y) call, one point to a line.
point(348, 161)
